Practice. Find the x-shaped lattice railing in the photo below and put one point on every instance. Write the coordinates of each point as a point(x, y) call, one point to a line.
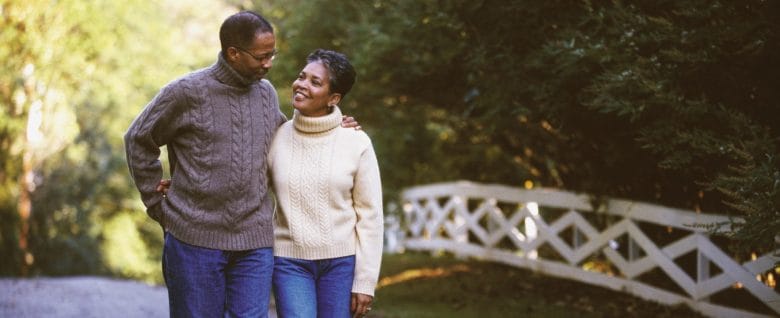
point(453, 225)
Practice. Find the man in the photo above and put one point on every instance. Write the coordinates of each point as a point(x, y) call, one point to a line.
point(217, 124)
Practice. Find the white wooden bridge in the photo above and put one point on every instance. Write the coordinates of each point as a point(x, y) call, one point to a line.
point(650, 251)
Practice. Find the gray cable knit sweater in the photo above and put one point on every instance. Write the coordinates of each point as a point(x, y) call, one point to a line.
point(217, 126)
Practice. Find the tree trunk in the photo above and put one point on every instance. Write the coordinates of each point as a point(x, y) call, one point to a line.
point(25, 210)
point(26, 180)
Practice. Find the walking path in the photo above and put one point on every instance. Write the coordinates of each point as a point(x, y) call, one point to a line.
point(82, 297)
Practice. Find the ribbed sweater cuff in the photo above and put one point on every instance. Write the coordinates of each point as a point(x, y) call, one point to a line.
point(366, 287)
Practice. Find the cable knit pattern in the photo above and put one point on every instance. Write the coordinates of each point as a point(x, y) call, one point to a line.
point(308, 184)
point(217, 126)
point(327, 181)
point(266, 96)
point(239, 160)
point(203, 117)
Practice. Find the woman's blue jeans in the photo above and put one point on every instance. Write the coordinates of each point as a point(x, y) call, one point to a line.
point(318, 288)
point(204, 282)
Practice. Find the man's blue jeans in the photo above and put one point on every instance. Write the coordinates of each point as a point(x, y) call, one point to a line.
point(204, 282)
point(318, 288)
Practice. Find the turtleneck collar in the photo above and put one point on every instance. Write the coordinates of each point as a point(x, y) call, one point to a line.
point(314, 125)
point(227, 75)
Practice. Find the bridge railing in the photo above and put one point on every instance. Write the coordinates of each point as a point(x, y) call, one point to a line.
point(650, 251)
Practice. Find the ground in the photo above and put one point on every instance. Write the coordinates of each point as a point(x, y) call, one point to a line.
point(82, 297)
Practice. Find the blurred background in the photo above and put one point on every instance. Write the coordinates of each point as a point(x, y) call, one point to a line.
point(669, 102)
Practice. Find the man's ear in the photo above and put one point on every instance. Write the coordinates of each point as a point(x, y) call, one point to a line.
point(231, 54)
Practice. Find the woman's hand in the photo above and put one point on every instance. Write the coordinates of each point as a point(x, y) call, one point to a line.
point(361, 304)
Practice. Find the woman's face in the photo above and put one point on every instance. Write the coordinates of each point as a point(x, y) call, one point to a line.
point(311, 91)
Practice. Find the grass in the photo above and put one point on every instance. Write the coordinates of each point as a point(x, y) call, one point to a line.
point(420, 285)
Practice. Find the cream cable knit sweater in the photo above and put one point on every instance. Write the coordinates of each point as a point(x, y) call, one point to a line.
point(326, 178)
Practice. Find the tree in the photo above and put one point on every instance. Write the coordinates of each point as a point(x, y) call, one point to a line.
point(32, 104)
point(671, 102)
point(689, 91)
point(74, 75)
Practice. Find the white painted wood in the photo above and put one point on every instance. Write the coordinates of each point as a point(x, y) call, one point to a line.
point(454, 228)
point(557, 270)
point(739, 273)
point(673, 250)
point(663, 261)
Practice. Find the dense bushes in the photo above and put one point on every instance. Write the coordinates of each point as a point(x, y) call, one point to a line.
point(672, 102)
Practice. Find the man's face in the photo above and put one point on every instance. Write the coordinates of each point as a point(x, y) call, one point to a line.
point(254, 61)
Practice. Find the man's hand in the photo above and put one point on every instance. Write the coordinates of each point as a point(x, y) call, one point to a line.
point(361, 304)
point(163, 186)
point(349, 122)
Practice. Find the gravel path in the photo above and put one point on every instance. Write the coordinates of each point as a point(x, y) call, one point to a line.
point(82, 297)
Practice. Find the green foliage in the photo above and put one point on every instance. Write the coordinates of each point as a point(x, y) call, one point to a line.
point(410, 58)
point(753, 190)
point(644, 101)
point(125, 251)
point(91, 66)
point(418, 285)
point(673, 102)
point(689, 80)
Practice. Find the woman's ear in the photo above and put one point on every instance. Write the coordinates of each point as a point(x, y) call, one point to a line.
point(334, 99)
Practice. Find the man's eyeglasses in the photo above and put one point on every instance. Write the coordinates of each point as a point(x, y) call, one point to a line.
point(262, 58)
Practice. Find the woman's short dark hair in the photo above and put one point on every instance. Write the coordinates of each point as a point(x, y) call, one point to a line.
point(342, 74)
point(240, 29)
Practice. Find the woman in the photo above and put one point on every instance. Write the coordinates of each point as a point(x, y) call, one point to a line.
point(328, 234)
